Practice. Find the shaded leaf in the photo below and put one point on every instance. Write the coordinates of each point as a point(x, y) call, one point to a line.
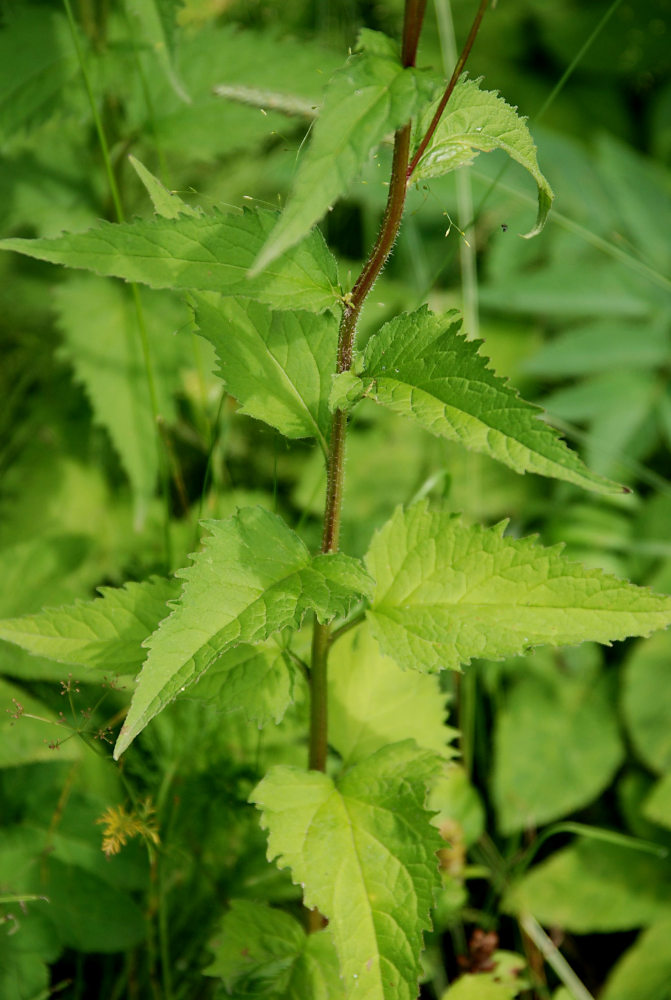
point(595, 887)
point(477, 121)
point(372, 702)
point(365, 853)
point(102, 333)
point(252, 577)
point(421, 367)
point(155, 20)
point(646, 701)
point(263, 952)
point(657, 806)
point(644, 971)
point(278, 365)
point(208, 253)
point(447, 592)
point(557, 748)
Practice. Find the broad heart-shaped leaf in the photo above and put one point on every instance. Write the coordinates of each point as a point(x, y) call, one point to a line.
point(106, 633)
point(477, 121)
point(419, 365)
point(278, 365)
point(447, 592)
point(252, 577)
point(365, 100)
point(262, 952)
point(372, 702)
point(364, 852)
point(208, 253)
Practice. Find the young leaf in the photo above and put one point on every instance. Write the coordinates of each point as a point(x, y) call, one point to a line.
point(208, 253)
point(365, 100)
point(278, 365)
point(166, 203)
point(106, 633)
point(420, 366)
point(447, 592)
point(262, 952)
point(253, 576)
point(477, 121)
point(372, 702)
point(364, 851)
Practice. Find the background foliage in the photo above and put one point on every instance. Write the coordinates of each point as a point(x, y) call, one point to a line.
point(560, 754)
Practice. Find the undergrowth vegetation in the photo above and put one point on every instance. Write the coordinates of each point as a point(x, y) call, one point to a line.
point(306, 670)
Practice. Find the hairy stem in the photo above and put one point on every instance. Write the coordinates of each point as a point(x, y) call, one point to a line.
point(414, 13)
point(458, 69)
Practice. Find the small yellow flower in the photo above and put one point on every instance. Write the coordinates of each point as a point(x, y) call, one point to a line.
point(121, 826)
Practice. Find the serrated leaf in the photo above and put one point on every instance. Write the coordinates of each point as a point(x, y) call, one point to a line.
point(365, 100)
point(364, 852)
point(595, 887)
point(372, 702)
point(111, 366)
point(422, 367)
point(155, 20)
point(166, 203)
point(278, 365)
point(447, 592)
point(557, 747)
point(252, 577)
point(263, 952)
point(208, 253)
point(106, 633)
point(478, 121)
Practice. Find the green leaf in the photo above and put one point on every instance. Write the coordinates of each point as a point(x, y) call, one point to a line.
point(372, 702)
point(365, 100)
point(166, 203)
point(478, 121)
point(278, 365)
point(595, 887)
point(262, 952)
point(420, 366)
point(155, 27)
point(252, 577)
point(112, 369)
point(208, 253)
point(29, 731)
point(37, 58)
point(503, 982)
point(646, 701)
point(364, 852)
point(447, 592)
point(657, 806)
point(346, 389)
point(259, 679)
point(557, 747)
point(106, 633)
point(644, 971)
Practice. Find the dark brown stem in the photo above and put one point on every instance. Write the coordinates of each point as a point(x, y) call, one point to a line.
point(458, 69)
